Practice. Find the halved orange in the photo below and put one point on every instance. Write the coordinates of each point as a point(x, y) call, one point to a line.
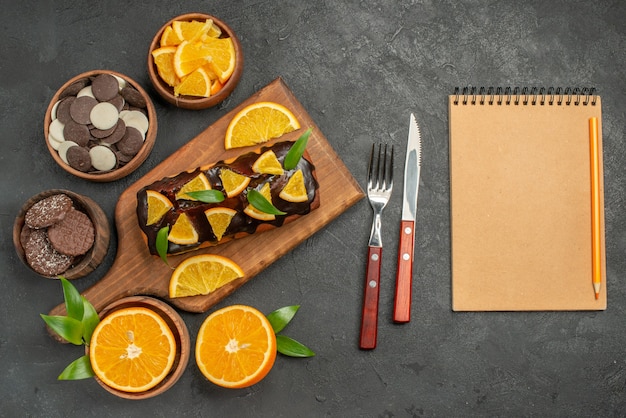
point(197, 83)
point(202, 274)
point(258, 123)
point(132, 349)
point(236, 347)
point(164, 61)
point(158, 205)
point(253, 212)
point(295, 189)
point(267, 163)
point(233, 183)
point(219, 218)
point(183, 231)
point(196, 184)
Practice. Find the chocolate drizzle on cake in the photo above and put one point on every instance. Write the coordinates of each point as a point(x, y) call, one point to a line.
point(241, 225)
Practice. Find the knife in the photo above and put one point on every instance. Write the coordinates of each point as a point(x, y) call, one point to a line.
point(404, 274)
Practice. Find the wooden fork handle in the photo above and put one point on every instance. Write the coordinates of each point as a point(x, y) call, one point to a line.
point(369, 319)
point(404, 274)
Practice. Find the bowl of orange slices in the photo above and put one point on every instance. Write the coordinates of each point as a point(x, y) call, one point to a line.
point(195, 61)
point(140, 348)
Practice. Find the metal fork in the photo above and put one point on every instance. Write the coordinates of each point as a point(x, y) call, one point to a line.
point(379, 186)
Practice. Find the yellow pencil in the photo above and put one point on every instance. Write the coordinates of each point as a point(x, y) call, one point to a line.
point(595, 206)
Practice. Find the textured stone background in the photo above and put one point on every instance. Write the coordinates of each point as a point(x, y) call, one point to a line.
point(359, 68)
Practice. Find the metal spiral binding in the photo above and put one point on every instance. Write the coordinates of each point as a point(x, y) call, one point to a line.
point(525, 95)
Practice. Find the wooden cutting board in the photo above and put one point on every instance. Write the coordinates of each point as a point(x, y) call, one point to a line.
point(136, 272)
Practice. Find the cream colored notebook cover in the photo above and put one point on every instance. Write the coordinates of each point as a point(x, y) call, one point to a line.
point(520, 185)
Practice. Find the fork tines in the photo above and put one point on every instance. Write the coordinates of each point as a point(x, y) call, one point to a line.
point(381, 174)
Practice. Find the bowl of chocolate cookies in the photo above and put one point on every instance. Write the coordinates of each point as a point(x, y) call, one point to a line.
point(61, 233)
point(100, 126)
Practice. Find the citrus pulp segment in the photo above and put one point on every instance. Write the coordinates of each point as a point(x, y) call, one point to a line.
point(267, 163)
point(236, 347)
point(295, 189)
point(196, 184)
point(232, 182)
point(132, 349)
point(253, 212)
point(158, 205)
point(202, 274)
point(219, 218)
point(258, 123)
point(164, 61)
point(197, 83)
point(183, 231)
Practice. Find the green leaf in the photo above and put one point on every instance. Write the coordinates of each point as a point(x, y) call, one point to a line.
point(207, 196)
point(73, 300)
point(297, 149)
point(78, 369)
point(256, 199)
point(281, 317)
point(162, 244)
point(90, 320)
point(68, 328)
point(292, 348)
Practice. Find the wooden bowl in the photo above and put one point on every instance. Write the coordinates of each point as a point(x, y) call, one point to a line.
point(123, 169)
point(191, 102)
point(88, 262)
point(181, 335)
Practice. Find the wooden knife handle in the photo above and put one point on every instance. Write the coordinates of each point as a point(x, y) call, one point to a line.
point(369, 320)
point(404, 274)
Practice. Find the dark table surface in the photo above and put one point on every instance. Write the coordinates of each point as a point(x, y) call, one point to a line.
point(359, 68)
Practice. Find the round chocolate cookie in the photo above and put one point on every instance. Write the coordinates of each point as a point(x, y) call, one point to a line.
point(80, 109)
point(72, 236)
point(42, 258)
point(48, 211)
point(77, 133)
point(79, 159)
point(132, 141)
point(133, 97)
point(74, 88)
point(105, 87)
point(63, 110)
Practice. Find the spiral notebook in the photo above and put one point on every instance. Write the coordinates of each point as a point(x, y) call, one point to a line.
point(520, 200)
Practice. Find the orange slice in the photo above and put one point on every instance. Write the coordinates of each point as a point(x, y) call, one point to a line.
point(222, 56)
point(214, 31)
point(197, 83)
point(294, 190)
point(235, 347)
point(132, 349)
point(219, 218)
point(182, 231)
point(253, 212)
point(169, 37)
point(258, 123)
point(189, 57)
point(233, 183)
point(267, 163)
point(216, 86)
point(202, 274)
point(191, 30)
point(196, 184)
point(164, 61)
point(158, 205)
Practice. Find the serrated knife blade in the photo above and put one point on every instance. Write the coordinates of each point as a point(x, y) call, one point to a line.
point(404, 273)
